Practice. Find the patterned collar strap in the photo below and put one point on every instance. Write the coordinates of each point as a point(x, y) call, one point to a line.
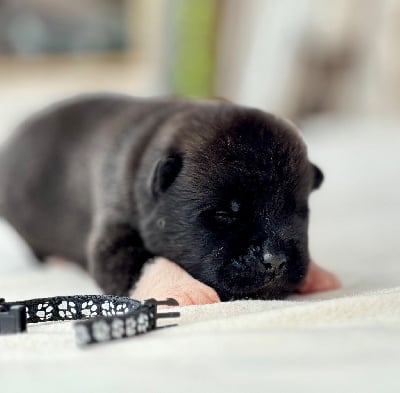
point(101, 317)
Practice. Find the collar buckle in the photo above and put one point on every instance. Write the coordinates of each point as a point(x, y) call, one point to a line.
point(12, 318)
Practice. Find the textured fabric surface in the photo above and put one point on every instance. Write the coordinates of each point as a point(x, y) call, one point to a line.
point(345, 340)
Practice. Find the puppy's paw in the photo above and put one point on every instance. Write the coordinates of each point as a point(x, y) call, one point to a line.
point(163, 278)
point(319, 279)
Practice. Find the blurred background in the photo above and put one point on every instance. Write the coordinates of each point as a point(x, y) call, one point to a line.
point(296, 58)
point(332, 67)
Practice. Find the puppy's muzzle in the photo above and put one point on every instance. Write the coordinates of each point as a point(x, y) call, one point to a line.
point(275, 265)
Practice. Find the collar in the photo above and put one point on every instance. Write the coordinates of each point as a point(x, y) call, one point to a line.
point(101, 317)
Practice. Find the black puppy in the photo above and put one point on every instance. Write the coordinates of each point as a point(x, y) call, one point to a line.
point(111, 181)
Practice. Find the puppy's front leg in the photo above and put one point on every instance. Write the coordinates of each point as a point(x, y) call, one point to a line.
point(116, 256)
point(318, 279)
point(162, 278)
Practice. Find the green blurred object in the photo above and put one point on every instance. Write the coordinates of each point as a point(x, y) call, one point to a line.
point(193, 64)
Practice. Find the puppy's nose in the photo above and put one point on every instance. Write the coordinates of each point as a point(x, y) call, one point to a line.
point(275, 264)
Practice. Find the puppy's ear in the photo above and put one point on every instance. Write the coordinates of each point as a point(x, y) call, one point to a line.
point(318, 176)
point(164, 174)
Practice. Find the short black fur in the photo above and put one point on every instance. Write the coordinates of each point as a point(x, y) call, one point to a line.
point(111, 181)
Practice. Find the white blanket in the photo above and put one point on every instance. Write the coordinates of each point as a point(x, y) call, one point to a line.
point(341, 341)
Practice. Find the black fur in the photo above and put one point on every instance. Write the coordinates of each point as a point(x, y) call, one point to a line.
point(110, 181)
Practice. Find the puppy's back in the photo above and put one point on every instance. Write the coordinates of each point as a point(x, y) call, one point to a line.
point(45, 180)
point(61, 161)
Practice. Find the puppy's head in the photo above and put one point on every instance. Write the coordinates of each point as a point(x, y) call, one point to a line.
point(228, 201)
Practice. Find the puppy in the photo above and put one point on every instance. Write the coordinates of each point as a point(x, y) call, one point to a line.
point(112, 181)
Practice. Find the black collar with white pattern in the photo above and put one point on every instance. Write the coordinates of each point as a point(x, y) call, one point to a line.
point(101, 317)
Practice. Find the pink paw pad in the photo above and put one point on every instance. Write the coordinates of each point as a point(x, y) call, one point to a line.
point(319, 279)
point(163, 278)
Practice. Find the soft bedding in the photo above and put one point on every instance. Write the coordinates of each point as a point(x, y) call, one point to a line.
point(343, 340)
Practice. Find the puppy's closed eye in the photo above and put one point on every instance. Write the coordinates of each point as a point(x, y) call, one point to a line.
point(219, 219)
point(224, 217)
